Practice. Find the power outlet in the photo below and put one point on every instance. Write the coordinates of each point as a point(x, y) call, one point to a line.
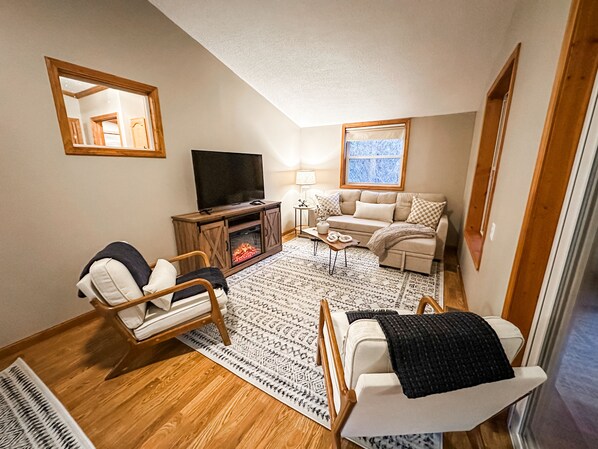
point(492, 229)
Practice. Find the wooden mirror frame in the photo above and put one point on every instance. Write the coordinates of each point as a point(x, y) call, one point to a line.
point(57, 68)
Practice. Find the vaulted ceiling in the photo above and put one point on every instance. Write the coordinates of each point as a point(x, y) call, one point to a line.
point(336, 61)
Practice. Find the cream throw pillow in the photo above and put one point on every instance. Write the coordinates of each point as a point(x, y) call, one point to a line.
point(425, 212)
point(163, 276)
point(371, 211)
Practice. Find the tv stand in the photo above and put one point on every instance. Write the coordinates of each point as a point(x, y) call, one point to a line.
point(215, 231)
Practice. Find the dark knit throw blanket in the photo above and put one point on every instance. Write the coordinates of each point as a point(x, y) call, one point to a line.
point(443, 352)
point(128, 256)
point(368, 314)
point(211, 274)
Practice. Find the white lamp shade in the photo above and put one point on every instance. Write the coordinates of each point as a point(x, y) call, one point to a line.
point(305, 177)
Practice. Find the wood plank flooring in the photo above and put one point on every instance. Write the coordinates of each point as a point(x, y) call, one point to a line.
point(180, 399)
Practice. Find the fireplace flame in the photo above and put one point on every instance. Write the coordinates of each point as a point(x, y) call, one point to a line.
point(244, 252)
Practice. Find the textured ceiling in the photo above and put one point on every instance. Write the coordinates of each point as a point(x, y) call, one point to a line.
point(336, 61)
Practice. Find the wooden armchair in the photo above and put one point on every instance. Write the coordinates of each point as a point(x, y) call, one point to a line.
point(145, 325)
point(365, 397)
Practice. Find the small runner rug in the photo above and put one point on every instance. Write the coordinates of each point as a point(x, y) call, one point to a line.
point(272, 320)
point(31, 416)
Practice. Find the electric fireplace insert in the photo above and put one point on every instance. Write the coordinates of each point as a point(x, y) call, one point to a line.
point(245, 244)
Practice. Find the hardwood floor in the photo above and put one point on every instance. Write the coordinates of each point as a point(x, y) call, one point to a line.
point(180, 399)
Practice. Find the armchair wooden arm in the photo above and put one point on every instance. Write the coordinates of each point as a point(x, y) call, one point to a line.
point(204, 256)
point(428, 300)
point(111, 310)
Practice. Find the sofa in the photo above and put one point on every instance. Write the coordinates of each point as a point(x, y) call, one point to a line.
point(413, 254)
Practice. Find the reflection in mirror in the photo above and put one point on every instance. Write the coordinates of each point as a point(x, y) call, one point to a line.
point(102, 114)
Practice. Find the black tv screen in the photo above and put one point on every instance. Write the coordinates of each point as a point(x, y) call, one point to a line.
point(227, 178)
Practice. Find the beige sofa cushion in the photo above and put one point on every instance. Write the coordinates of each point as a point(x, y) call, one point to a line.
point(404, 200)
point(368, 196)
point(347, 199)
point(417, 246)
point(348, 222)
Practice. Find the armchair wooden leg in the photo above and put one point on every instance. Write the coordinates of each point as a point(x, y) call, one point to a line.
point(223, 331)
point(122, 365)
point(336, 438)
point(475, 438)
point(218, 320)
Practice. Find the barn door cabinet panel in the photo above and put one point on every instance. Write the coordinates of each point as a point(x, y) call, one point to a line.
point(272, 229)
point(213, 240)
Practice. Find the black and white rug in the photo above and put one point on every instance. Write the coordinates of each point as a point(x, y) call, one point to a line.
point(273, 316)
point(30, 415)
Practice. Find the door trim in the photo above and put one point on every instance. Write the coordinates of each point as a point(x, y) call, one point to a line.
point(565, 118)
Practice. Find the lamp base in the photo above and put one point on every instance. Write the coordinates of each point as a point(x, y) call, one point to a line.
point(303, 203)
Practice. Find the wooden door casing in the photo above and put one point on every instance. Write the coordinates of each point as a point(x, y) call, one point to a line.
point(272, 229)
point(213, 240)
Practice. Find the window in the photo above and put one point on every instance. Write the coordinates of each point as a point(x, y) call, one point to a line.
point(374, 154)
point(496, 114)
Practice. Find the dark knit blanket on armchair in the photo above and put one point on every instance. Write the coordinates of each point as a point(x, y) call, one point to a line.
point(442, 352)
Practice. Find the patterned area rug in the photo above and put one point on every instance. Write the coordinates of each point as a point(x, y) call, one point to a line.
point(31, 416)
point(273, 316)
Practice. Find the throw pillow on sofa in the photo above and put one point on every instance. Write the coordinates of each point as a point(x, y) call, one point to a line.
point(163, 276)
point(330, 204)
point(371, 211)
point(425, 212)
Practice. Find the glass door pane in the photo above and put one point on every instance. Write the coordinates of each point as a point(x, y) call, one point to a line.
point(564, 413)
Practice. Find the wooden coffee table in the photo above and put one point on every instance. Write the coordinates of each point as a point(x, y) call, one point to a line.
point(336, 247)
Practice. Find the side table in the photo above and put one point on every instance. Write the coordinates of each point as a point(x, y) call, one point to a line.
point(299, 226)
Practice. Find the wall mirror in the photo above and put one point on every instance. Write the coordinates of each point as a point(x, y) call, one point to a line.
point(105, 115)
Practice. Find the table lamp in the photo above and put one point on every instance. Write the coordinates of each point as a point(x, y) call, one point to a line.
point(304, 178)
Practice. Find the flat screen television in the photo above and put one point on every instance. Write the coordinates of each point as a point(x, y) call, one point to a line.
point(227, 178)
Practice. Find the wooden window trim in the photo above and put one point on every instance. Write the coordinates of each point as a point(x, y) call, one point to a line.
point(399, 187)
point(565, 118)
point(475, 230)
point(57, 68)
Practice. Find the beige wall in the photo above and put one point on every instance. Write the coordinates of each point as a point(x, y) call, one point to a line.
point(58, 210)
point(539, 26)
point(437, 161)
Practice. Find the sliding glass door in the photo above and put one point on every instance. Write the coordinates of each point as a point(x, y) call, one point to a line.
point(563, 413)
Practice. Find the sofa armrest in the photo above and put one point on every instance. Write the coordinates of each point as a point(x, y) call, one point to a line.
point(441, 232)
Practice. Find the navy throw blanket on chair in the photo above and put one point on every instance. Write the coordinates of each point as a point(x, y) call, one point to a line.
point(211, 274)
point(128, 256)
point(442, 352)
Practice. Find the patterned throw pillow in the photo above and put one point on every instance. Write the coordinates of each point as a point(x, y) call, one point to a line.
point(425, 212)
point(330, 204)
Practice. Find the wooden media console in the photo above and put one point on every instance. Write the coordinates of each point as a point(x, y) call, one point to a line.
point(233, 237)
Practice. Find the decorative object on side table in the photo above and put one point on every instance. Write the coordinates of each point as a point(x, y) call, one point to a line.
point(304, 178)
point(322, 226)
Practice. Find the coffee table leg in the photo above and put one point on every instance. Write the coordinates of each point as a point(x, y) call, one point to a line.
point(331, 265)
point(315, 246)
point(345, 251)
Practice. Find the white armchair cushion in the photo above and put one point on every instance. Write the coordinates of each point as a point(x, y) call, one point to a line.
point(158, 320)
point(116, 286)
point(87, 288)
point(163, 276)
point(364, 349)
